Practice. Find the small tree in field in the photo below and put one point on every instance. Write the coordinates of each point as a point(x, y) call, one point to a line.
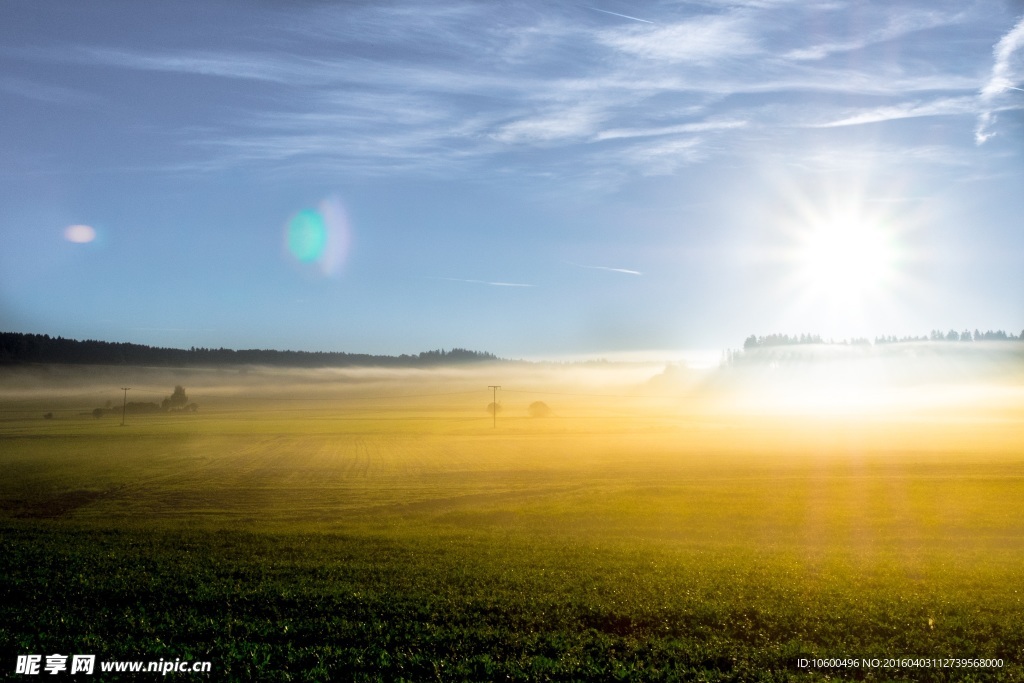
point(176, 401)
point(539, 409)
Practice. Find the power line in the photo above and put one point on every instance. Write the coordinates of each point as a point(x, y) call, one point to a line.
point(124, 406)
point(588, 395)
point(494, 403)
point(353, 397)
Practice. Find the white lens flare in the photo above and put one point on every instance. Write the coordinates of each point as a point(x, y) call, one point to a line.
point(319, 239)
point(80, 234)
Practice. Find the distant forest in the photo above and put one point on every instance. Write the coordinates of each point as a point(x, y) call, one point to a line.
point(755, 342)
point(16, 348)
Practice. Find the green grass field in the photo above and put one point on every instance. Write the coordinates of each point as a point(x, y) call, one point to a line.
point(381, 529)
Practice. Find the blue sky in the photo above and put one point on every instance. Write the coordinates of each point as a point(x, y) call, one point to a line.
point(525, 178)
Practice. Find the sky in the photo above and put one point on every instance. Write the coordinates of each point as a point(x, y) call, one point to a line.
point(531, 179)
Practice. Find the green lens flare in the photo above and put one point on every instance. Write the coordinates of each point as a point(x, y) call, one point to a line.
point(307, 236)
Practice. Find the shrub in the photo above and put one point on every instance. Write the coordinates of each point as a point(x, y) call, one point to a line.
point(539, 409)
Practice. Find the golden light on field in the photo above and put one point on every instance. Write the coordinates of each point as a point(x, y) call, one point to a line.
point(823, 387)
point(914, 381)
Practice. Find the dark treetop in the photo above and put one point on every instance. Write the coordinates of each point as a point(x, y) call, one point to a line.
point(16, 347)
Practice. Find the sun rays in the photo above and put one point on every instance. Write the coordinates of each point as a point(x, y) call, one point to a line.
point(844, 260)
point(846, 255)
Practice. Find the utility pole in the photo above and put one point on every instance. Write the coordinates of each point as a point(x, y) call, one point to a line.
point(125, 404)
point(494, 403)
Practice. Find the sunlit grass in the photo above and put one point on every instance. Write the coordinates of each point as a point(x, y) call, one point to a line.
point(667, 541)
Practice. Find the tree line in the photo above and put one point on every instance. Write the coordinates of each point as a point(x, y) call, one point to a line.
point(16, 347)
point(755, 342)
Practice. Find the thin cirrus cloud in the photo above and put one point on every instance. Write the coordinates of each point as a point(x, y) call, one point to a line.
point(624, 16)
point(702, 40)
point(662, 157)
point(416, 88)
point(893, 26)
point(1005, 73)
point(483, 282)
point(45, 92)
point(943, 107)
point(561, 124)
point(625, 271)
point(702, 126)
point(235, 64)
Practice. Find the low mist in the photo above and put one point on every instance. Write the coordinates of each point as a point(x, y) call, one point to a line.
point(913, 379)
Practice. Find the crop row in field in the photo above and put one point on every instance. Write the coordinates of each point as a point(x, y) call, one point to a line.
point(666, 542)
point(487, 606)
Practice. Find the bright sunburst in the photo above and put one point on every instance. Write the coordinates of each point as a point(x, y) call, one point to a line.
point(844, 255)
point(844, 260)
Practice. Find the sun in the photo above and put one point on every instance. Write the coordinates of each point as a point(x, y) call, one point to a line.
point(842, 254)
point(846, 260)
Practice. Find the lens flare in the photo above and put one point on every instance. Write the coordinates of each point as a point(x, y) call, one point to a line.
point(319, 238)
point(307, 236)
point(80, 234)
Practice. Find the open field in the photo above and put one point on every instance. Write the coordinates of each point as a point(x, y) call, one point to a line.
point(373, 525)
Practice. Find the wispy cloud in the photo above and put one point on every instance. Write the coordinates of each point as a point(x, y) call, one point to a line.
point(702, 40)
point(626, 271)
point(1005, 73)
point(844, 159)
point(416, 87)
point(662, 157)
point(697, 127)
point(896, 23)
point(954, 106)
point(223, 64)
point(44, 92)
point(483, 282)
point(616, 14)
point(560, 124)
